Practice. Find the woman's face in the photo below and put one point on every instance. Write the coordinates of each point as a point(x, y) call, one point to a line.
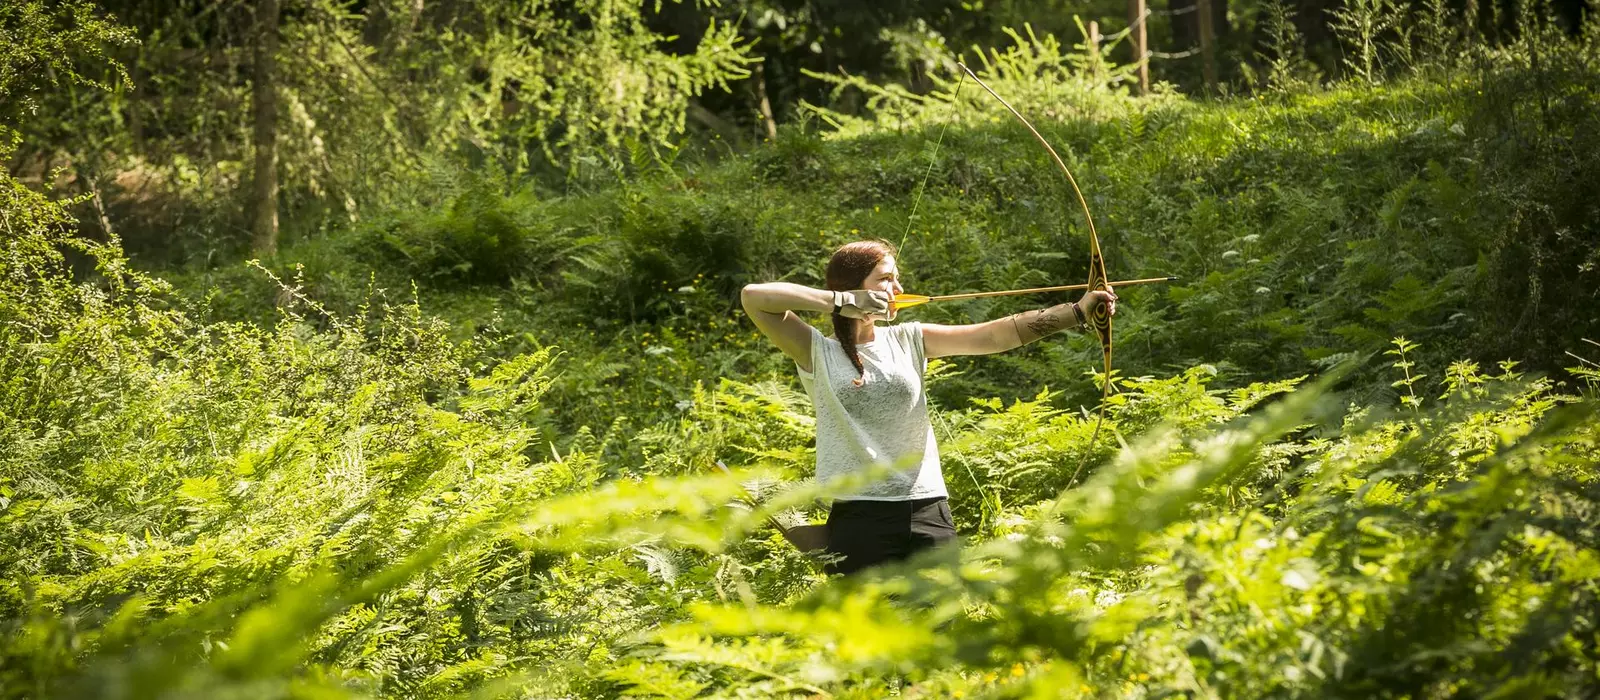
point(886, 278)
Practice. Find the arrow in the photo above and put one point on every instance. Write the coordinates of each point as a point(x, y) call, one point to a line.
point(906, 301)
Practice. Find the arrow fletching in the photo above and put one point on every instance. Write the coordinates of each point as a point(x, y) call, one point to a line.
point(906, 301)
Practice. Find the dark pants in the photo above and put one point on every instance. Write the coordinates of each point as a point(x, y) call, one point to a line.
point(867, 533)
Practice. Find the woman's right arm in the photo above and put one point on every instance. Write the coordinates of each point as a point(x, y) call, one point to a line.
point(772, 305)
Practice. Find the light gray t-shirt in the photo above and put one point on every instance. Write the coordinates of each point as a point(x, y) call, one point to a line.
point(882, 421)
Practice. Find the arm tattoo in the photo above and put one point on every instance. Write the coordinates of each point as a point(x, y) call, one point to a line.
point(1043, 322)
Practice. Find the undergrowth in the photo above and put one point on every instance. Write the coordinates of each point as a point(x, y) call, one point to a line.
point(502, 479)
point(347, 504)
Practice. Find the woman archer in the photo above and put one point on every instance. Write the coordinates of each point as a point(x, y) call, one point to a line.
point(865, 384)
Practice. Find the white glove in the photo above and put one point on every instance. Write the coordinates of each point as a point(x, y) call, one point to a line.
point(861, 303)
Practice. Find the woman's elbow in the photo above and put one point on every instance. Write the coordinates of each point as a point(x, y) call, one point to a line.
point(750, 296)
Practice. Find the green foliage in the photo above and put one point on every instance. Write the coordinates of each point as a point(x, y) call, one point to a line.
point(1034, 70)
point(1307, 228)
point(479, 238)
point(290, 501)
point(1361, 25)
point(296, 486)
point(231, 509)
point(1409, 381)
point(1149, 590)
point(181, 471)
point(1286, 66)
point(52, 45)
point(378, 97)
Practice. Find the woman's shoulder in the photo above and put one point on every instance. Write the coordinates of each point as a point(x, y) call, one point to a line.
point(906, 335)
point(909, 329)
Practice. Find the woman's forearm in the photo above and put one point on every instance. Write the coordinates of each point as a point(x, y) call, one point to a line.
point(1033, 325)
point(778, 297)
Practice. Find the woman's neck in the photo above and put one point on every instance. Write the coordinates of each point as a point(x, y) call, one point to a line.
point(866, 332)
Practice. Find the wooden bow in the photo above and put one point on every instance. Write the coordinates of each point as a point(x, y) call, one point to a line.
point(1101, 318)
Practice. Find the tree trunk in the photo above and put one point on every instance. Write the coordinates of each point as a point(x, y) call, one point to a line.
point(1185, 24)
point(724, 128)
point(1208, 40)
point(769, 124)
point(1141, 44)
point(1092, 48)
point(134, 110)
point(264, 101)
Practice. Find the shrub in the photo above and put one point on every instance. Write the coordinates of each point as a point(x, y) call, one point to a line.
point(483, 237)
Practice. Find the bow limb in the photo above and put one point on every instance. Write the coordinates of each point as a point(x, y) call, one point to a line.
point(1101, 318)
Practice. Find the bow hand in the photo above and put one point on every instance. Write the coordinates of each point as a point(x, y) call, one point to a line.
point(1096, 302)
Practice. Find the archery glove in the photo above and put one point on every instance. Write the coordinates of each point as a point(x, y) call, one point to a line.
point(861, 303)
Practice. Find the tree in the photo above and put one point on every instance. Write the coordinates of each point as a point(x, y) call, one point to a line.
point(56, 45)
point(385, 94)
point(265, 106)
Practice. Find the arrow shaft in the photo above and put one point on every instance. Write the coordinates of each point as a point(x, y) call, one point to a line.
point(1035, 290)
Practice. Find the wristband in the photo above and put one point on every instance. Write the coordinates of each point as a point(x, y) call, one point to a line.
point(1079, 313)
point(837, 303)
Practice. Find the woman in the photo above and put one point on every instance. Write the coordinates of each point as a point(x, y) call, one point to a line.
point(865, 384)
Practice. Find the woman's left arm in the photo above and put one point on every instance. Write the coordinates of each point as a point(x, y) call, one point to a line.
point(1012, 331)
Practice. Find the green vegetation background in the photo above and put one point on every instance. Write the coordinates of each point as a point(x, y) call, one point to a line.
point(467, 443)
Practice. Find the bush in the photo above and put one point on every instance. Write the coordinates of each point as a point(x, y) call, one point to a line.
point(483, 237)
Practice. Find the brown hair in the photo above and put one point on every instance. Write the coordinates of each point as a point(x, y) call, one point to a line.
point(847, 271)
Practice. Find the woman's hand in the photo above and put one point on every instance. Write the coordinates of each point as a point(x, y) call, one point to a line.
point(1094, 299)
point(862, 303)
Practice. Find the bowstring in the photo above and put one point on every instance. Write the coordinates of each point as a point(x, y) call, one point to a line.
point(932, 161)
point(983, 494)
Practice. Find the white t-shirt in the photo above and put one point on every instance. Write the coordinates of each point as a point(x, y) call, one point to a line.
point(883, 421)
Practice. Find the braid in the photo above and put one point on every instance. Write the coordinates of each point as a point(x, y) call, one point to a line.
point(848, 270)
point(844, 329)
